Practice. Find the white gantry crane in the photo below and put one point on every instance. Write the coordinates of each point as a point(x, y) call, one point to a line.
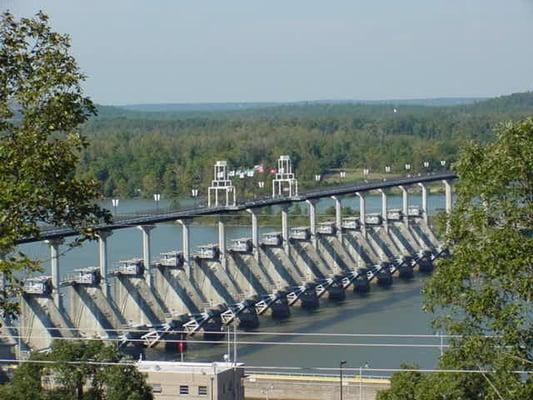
point(284, 184)
point(221, 183)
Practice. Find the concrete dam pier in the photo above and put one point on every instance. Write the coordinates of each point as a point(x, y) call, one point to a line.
point(145, 302)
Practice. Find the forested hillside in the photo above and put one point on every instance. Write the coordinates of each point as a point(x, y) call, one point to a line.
point(140, 153)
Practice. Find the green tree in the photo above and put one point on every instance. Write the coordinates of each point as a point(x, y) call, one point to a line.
point(81, 370)
point(41, 108)
point(25, 384)
point(483, 292)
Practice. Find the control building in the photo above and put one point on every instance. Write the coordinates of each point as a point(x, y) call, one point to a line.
point(190, 380)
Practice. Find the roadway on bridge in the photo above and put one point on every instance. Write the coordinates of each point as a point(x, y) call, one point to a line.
point(315, 194)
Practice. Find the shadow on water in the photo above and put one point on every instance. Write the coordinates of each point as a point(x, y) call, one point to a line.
point(396, 310)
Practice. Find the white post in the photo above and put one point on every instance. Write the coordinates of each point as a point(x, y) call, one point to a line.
point(102, 255)
point(285, 228)
point(54, 266)
point(312, 222)
point(185, 246)
point(222, 243)
point(361, 383)
point(362, 212)
point(145, 229)
point(338, 216)
point(255, 233)
point(405, 204)
point(424, 202)
point(384, 209)
point(448, 195)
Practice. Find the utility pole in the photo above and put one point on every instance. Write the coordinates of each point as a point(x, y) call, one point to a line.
point(341, 363)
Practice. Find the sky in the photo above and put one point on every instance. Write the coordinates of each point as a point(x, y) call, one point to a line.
point(190, 51)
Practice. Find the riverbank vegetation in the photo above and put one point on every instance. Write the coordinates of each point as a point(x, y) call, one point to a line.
point(134, 153)
point(77, 370)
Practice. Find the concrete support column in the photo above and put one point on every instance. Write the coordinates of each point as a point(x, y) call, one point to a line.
point(448, 195)
point(338, 216)
point(54, 266)
point(384, 209)
point(102, 257)
point(424, 202)
point(145, 229)
point(405, 204)
point(222, 243)
point(285, 228)
point(362, 212)
point(185, 246)
point(312, 222)
point(255, 233)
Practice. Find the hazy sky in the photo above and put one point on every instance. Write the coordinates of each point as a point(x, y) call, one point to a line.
point(156, 51)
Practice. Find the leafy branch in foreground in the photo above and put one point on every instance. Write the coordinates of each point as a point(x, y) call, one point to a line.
point(483, 292)
point(77, 370)
point(41, 108)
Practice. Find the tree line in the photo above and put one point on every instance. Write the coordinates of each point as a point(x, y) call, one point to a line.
point(134, 153)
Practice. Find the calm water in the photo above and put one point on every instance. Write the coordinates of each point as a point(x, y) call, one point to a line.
point(393, 311)
point(384, 311)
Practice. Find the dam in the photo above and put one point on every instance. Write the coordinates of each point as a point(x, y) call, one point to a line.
point(153, 301)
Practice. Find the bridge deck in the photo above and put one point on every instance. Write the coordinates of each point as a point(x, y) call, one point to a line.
point(342, 190)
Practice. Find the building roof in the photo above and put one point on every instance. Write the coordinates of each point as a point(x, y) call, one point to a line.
point(185, 367)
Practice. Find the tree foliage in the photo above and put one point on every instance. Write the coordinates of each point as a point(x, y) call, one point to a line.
point(483, 292)
point(77, 370)
point(170, 152)
point(41, 108)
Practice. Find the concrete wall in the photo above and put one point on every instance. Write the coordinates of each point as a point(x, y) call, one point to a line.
point(136, 302)
point(215, 284)
point(91, 312)
point(41, 321)
point(283, 387)
point(307, 255)
point(280, 268)
point(177, 291)
point(250, 274)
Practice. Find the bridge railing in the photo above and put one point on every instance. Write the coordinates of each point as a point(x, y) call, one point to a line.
point(156, 216)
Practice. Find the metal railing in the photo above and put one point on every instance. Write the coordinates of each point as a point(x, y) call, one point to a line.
point(156, 216)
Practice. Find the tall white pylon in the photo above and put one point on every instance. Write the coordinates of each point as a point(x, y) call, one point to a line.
point(221, 183)
point(284, 183)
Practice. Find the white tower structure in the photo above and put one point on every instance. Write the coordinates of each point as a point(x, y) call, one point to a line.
point(285, 180)
point(223, 184)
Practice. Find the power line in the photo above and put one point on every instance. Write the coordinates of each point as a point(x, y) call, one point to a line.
point(267, 333)
point(240, 342)
point(266, 343)
point(267, 368)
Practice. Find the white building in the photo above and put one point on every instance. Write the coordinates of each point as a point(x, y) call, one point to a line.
point(188, 380)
